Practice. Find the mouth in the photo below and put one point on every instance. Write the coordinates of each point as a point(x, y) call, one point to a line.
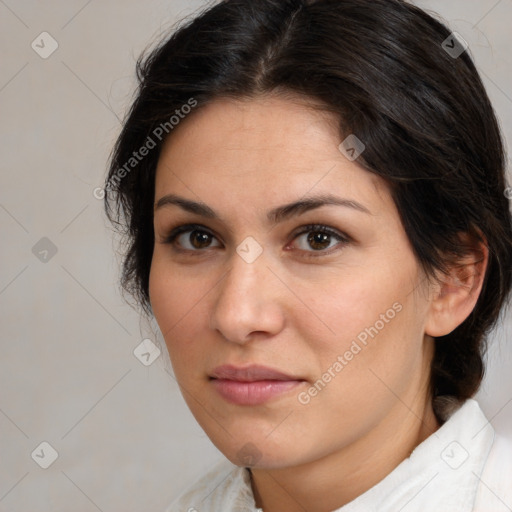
point(251, 385)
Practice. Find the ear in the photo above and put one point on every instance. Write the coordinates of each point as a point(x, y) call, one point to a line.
point(455, 295)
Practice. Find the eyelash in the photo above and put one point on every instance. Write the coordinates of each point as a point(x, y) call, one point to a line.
point(317, 228)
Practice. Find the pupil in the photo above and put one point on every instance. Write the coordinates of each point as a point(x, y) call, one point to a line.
point(201, 237)
point(318, 238)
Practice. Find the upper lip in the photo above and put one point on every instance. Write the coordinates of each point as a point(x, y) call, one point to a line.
point(250, 373)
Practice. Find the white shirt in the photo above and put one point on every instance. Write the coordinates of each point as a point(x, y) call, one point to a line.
point(462, 467)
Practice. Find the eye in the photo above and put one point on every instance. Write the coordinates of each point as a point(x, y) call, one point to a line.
point(319, 238)
point(190, 237)
point(194, 238)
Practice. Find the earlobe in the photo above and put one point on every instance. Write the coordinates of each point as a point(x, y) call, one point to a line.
point(456, 294)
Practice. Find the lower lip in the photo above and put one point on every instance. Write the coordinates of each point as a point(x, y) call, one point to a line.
point(252, 393)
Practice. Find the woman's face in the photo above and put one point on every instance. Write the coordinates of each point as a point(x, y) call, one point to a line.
point(338, 309)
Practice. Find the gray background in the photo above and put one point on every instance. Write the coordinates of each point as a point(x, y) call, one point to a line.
point(68, 376)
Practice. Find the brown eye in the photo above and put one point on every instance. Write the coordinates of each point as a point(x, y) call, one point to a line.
point(190, 238)
point(199, 239)
point(319, 239)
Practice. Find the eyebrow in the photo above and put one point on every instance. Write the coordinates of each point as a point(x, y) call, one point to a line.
point(274, 216)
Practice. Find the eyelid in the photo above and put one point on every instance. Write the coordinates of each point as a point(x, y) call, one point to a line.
point(342, 237)
point(184, 228)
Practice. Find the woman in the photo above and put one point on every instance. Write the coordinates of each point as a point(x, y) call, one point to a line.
point(314, 201)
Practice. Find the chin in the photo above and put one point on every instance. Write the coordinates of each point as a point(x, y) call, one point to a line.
point(261, 454)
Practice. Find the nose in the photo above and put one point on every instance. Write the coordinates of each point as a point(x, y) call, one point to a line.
point(248, 301)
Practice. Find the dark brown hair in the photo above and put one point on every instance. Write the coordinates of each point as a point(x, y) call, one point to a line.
point(381, 66)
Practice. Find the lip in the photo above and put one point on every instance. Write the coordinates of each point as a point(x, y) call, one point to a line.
point(251, 385)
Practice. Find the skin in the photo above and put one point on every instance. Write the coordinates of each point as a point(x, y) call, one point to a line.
point(294, 313)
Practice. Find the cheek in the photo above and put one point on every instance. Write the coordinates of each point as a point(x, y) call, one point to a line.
point(349, 307)
point(175, 305)
point(373, 321)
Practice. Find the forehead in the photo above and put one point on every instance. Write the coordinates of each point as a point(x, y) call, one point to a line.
point(260, 151)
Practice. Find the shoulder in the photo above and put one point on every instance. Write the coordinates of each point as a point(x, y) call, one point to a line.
point(495, 485)
point(223, 487)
